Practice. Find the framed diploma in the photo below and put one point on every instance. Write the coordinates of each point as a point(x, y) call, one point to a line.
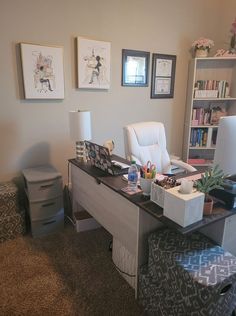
point(135, 65)
point(163, 76)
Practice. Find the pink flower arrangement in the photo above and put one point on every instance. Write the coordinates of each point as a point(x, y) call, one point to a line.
point(203, 43)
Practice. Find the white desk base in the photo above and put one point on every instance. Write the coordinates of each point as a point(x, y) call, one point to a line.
point(127, 223)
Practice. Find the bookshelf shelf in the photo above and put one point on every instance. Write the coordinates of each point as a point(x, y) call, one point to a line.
point(207, 75)
point(204, 126)
point(214, 99)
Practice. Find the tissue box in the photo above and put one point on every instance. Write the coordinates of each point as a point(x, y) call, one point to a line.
point(184, 209)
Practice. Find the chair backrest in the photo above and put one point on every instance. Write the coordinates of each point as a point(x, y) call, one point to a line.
point(147, 141)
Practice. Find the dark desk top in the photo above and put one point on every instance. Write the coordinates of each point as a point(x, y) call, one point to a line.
point(116, 183)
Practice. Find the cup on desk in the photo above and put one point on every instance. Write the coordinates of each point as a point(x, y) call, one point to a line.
point(145, 185)
point(186, 186)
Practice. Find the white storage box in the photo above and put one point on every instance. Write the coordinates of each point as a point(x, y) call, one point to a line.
point(184, 209)
point(84, 221)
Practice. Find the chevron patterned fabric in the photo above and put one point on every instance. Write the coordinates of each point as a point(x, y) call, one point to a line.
point(187, 276)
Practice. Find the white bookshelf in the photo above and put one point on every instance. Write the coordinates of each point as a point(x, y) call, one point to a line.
point(209, 68)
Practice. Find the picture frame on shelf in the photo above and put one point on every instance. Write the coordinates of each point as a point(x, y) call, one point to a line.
point(94, 63)
point(43, 71)
point(135, 68)
point(163, 76)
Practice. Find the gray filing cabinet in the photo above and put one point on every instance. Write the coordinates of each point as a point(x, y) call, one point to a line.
point(43, 186)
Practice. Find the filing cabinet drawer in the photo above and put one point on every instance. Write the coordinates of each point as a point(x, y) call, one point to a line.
point(45, 209)
point(44, 190)
point(47, 226)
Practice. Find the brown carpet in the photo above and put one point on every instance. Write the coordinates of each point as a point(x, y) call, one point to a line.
point(67, 273)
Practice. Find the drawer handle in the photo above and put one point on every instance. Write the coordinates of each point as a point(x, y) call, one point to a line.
point(48, 204)
point(45, 186)
point(48, 223)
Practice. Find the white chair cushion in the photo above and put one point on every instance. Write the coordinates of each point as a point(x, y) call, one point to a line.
point(147, 141)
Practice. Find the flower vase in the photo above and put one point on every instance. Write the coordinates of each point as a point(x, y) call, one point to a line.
point(201, 53)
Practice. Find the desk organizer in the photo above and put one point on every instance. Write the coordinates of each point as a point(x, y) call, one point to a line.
point(157, 194)
point(187, 275)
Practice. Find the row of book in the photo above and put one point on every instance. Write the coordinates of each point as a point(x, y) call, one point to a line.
point(211, 89)
point(198, 137)
point(207, 116)
point(201, 116)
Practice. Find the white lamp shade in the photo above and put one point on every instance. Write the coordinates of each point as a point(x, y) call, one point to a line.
point(80, 125)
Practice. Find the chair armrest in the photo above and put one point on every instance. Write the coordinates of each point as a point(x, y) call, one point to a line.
point(182, 164)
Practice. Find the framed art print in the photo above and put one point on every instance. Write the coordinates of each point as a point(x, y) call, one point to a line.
point(163, 76)
point(135, 66)
point(43, 73)
point(93, 63)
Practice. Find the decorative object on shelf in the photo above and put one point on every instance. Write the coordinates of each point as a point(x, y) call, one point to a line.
point(43, 73)
point(233, 38)
point(80, 130)
point(93, 63)
point(231, 52)
point(202, 46)
point(163, 76)
point(135, 68)
point(224, 53)
point(211, 179)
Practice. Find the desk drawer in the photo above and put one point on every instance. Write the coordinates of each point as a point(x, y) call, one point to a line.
point(114, 212)
point(44, 190)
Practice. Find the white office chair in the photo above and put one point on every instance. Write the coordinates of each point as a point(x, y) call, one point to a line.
point(147, 141)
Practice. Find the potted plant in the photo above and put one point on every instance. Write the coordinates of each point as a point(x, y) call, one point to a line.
point(202, 46)
point(211, 179)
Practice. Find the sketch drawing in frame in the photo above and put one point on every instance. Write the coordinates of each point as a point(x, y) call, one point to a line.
point(93, 63)
point(43, 71)
point(135, 66)
point(163, 76)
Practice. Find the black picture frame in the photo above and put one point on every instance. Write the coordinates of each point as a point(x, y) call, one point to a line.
point(163, 76)
point(131, 76)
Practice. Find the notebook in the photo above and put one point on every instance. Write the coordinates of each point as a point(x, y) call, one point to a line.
point(100, 157)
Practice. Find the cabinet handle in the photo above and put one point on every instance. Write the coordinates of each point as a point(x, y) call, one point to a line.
point(45, 186)
point(49, 222)
point(48, 204)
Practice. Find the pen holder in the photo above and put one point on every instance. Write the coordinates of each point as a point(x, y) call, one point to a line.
point(145, 185)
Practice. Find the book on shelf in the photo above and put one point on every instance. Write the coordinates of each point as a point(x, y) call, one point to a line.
point(208, 116)
point(196, 161)
point(198, 137)
point(211, 89)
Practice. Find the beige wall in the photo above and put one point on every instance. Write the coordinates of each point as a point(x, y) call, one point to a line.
point(36, 132)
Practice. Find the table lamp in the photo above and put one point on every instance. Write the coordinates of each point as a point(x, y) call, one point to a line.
point(80, 130)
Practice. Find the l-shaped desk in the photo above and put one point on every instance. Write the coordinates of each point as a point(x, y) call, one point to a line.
point(131, 218)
